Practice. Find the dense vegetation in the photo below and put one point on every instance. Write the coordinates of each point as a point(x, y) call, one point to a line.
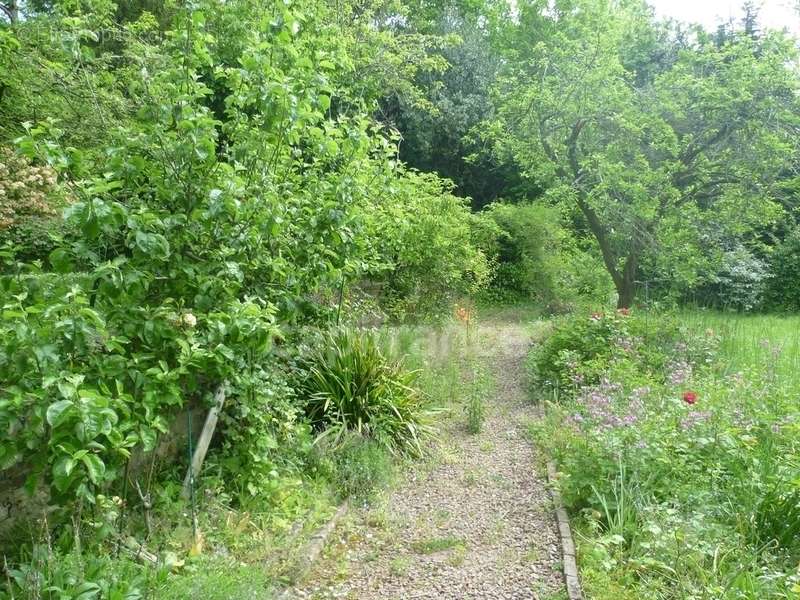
point(204, 199)
point(678, 451)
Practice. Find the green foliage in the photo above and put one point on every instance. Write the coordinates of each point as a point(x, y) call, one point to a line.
point(227, 170)
point(30, 202)
point(536, 258)
point(783, 290)
point(223, 176)
point(360, 467)
point(476, 413)
point(679, 495)
point(353, 388)
point(438, 136)
point(47, 574)
point(479, 387)
point(740, 283)
point(266, 441)
point(658, 150)
point(426, 247)
point(581, 349)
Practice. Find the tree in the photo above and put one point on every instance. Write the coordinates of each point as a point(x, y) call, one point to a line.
point(653, 148)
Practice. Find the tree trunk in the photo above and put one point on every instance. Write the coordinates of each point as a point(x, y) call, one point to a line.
point(626, 292)
point(625, 280)
point(626, 283)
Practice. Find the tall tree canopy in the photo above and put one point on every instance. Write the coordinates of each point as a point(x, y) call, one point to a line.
point(661, 140)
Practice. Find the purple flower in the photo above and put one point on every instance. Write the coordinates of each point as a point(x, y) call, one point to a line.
point(694, 418)
point(679, 372)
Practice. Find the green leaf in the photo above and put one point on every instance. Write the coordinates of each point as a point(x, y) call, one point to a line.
point(87, 591)
point(60, 261)
point(62, 471)
point(57, 412)
point(324, 102)
point(95, 467)
point(148, 437)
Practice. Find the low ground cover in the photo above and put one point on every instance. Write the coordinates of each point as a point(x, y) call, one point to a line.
point(676, 440)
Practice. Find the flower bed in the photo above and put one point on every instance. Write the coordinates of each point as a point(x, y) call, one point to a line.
point(678, 460)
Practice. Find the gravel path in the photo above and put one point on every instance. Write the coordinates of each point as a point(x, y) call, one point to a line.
point(475, 523)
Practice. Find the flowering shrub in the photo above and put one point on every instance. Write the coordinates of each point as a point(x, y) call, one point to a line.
point(30, 202)
point(582, 348)
point(25, 189)
point(682, 480)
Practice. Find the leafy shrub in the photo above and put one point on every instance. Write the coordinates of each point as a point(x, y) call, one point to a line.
point(265, 437)
point(352, 387)
point(740, 282)
point(783, 290)
point(581, 348)
point(361, 466)
point(535, 257)
point(179, 274)
point(423, 239)
point(30, 203)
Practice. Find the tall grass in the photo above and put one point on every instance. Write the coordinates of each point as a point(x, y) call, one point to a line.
point(772, 341)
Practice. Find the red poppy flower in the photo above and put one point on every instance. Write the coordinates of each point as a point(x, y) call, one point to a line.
point(690, 397)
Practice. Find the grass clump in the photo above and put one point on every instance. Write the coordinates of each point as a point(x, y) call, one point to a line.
point(352, 387)
point(479, 387)
point(362, 466)
point(439, 544)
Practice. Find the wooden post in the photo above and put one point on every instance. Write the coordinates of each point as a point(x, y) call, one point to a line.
point(203, 442)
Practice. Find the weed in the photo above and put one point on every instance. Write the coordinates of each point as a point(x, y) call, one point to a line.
point(361, 467)
point(399, 566)
point(433, 545)
point(458, 556)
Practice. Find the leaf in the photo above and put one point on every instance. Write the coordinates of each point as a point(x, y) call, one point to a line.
point(95, 467)
point(62, 469)
point(148, 437)
point(60, 261)
point(324, 102)
point(57, 412)
point(87, 590)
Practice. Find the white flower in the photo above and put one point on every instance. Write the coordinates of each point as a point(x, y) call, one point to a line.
point(189, 320)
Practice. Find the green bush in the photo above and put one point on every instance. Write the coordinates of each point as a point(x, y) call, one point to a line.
point(351, 387)
point(424, 240)
point(195, 239)
point(581, 348)
point(536, 258)
point(783, 291)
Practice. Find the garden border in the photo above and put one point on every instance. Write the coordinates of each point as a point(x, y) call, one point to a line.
point(570, 563)
point(315, 545)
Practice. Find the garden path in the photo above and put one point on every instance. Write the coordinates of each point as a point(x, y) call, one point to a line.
point(476, 522)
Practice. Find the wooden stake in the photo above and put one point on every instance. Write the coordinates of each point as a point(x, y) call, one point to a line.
point(204, 441)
